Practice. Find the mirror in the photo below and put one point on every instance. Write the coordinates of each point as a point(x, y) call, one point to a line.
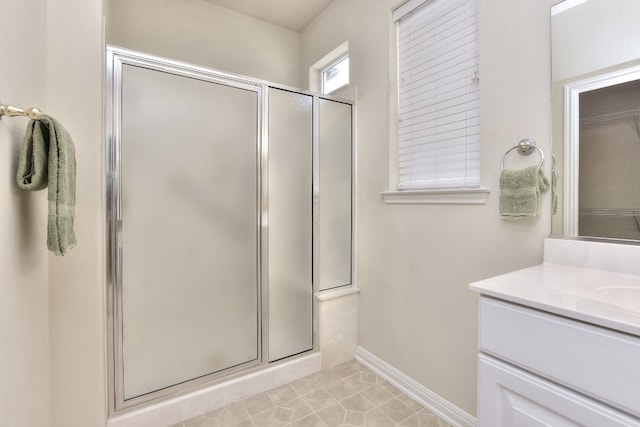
point(596, 117)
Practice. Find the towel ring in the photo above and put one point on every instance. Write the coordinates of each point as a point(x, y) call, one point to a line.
point(525, 147)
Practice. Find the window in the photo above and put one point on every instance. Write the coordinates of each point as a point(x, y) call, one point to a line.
point(336, 75)
point(331, 72)
point(438, 87)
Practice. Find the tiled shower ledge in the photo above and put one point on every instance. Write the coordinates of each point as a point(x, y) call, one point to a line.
point(347, 395)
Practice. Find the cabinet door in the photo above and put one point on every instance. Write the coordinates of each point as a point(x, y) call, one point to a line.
point(510, 397)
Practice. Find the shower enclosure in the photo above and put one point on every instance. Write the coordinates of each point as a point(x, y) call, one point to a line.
point(229, 203)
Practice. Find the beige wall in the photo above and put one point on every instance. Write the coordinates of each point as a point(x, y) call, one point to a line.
point(416, 261)
point(75, 58)
point(202, 33)
point(24, 295)
point(52, 308)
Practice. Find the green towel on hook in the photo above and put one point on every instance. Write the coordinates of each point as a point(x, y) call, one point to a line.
point(520, 191)
point(554, 192)
point(47, 159)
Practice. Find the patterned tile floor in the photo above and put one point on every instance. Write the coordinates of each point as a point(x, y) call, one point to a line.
point(347, 395)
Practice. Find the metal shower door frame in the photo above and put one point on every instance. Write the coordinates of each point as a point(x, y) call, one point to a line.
point(116, 59)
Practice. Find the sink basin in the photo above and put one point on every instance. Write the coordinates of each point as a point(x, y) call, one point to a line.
point(627, 297)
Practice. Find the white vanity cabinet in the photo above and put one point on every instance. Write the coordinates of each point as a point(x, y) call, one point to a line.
point(541, 369)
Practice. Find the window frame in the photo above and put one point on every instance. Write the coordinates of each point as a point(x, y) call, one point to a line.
point(332, 64)
point(315, 70)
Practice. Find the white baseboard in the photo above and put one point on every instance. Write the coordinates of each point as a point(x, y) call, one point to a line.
point(427, 398)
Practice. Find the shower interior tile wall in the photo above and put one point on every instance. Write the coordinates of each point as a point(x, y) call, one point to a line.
point(338, 328)
point(349, 394)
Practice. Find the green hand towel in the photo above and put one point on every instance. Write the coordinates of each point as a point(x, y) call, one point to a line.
point(520, 191)
point(554, 192)
point(48, 159)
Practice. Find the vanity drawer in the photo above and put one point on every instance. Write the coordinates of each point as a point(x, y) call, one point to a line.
point(598, 362)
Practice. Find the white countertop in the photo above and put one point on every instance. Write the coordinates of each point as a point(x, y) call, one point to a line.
point(568, 291)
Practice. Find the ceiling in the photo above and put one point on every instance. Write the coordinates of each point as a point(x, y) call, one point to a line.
point(291, 14)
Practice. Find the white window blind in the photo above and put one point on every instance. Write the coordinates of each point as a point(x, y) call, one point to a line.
point(439, 130)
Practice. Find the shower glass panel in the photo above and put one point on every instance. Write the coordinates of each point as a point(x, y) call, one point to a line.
point(290, 223)
point(190, 228)
point(335, 206)
point(228, 204)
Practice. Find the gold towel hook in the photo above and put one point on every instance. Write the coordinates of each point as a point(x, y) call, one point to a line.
point(9, 110)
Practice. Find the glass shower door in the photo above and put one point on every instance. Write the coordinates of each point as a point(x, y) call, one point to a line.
point(190, 224)
point(290, 260)
point(228, 203)
point(335, 208)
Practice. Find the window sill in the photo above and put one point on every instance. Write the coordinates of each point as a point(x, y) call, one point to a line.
point(461, 196)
